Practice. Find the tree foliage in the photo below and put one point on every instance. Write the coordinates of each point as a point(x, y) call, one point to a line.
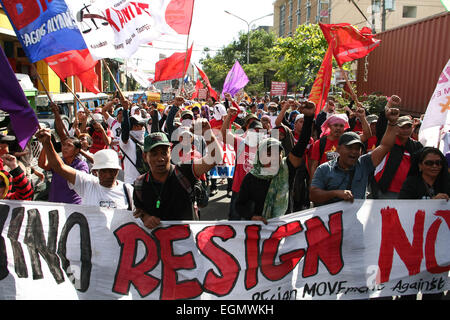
point(295, 59)
point(301, 55)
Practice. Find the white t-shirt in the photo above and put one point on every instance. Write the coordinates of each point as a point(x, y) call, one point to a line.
point(129, 169)
point(93, 194)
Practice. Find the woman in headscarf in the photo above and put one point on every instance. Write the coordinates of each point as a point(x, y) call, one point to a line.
point(265, 192)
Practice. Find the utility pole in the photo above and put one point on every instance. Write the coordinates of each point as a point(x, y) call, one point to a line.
point(383, 15)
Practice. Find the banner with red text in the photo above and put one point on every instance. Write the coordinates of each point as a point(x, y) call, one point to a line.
point(340, 251)
point(225, 169)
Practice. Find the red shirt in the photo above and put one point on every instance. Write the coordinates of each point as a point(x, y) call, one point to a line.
point(97, 141)
point(371, 143)
point(401, 173)
point(329, 152)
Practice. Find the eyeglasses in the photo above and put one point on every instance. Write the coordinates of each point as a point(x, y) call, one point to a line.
point(430, 163)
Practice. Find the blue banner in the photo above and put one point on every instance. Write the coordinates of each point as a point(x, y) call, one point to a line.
point(43, 27)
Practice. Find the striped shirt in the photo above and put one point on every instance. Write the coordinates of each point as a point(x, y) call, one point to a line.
point(22, 186)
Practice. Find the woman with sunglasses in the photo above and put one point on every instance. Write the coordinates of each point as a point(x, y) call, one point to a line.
point(428, 177)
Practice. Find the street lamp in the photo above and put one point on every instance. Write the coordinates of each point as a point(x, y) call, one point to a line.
point(248, 30)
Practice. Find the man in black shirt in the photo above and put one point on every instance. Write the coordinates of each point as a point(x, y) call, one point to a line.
point(165, 192)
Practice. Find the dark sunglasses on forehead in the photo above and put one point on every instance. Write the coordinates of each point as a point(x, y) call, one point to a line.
point(430, 163)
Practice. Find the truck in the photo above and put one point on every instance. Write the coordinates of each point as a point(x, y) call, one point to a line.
point(407, 63)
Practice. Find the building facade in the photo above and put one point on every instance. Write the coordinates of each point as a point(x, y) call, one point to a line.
point(379, 15)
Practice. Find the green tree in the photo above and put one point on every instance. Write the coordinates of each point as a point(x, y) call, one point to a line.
point(300, 56)
point(218, 66)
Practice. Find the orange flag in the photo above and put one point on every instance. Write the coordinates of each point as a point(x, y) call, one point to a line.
point(321, 86)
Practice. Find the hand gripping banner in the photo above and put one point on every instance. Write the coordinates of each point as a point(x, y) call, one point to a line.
point(361, 250)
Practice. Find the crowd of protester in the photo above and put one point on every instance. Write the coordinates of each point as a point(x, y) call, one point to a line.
point(155, 159)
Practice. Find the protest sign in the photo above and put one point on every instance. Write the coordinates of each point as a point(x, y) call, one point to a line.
point(340, 251)
point(278, 88)
point(225, 169)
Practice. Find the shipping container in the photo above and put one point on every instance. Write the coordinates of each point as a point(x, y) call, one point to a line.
point(408, 62)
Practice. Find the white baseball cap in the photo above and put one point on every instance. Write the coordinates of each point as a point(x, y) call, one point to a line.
point(106, 159)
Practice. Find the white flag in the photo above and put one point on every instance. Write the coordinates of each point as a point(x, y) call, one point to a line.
point(436, 122)
point(141, 77)
point(116, 28)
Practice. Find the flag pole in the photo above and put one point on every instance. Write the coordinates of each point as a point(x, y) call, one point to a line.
point(187, 46)
point(114, 79)
point(76, 97)
point(184, 64)
point(42, 83)
point(349, 86)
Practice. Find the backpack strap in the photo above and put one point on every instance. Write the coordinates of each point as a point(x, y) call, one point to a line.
point(126, 191)
point(322, 145)
point(125, 154)
point(185, 183)
point(138, 184)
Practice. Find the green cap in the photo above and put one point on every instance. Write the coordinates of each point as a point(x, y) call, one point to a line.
point(155, 139)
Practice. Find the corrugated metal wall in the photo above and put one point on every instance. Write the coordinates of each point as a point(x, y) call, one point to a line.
point(408, 62)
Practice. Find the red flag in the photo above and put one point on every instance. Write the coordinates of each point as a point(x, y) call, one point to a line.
point(179, 15)
point(347, 42)
point(75, 63)
point(321, 86)
point(172, 67)
point(212, 93)
point(198, 85)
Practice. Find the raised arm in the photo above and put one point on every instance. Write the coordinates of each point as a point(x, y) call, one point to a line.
point(382, 123)
point(125, 135)
point(108, 107)
point(296, 154)
point(215, 151)
point(227, 135)
point(361, 115)
point(59, 126)
point(54, 161)
point(281, 115)
point(105, 136)
point(388, 140)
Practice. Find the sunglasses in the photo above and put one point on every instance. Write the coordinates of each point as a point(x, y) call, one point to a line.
point(430, 163)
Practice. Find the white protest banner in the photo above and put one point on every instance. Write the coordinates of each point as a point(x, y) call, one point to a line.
point(436, 121)
point(116, 28)
point(134, 71)
point(226, 168)
point(341, 251)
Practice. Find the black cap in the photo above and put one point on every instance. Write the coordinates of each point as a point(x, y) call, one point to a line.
point(349, 138)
